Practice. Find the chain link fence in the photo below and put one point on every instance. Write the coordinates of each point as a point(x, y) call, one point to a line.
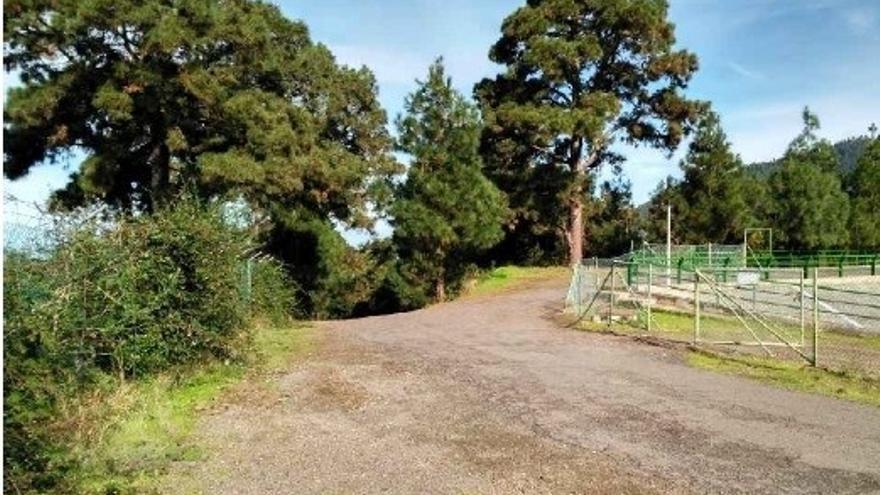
point(815, 315)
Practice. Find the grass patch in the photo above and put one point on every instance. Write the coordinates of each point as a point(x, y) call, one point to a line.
point(678, 325)
point(144, 426)
point(151, 431)
point(792, 376)
point(276, 348)
point(509, 277)
point(667, 324)
point(850, 340)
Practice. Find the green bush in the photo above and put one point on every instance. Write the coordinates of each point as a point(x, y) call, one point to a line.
point(154, 292)
point(30, 382)
point(138, 297)
point(272, 291)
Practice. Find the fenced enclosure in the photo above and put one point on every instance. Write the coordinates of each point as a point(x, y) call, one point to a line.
point(780, 312)
point(840, 263)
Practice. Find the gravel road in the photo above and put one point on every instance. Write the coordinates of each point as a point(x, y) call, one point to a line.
point(490, 395)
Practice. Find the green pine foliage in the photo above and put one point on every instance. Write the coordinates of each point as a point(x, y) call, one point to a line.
point(802, 199)
point(865, 191)
point(161, 95)
point(445, 212)
point(667, 192)
point(579, 76)
point(716, 192)
point(614, 224)
point(810, 209)
point(229, 99)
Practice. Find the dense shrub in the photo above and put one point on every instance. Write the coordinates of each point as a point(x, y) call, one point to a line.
point(30, 380)
point(272, 292)
point(333, 279)
point(153, 292)
point(125, 299)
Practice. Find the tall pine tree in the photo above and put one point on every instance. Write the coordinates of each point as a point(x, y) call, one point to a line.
point(580, 75)
point(222, 97)
point(446, 211)
point(715, 187)
point(226, 96)
point(810, 209)
point(667, 193)
point(865, 190)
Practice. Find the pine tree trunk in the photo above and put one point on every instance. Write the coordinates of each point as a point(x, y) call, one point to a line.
point(160, 173)
point(575, 232)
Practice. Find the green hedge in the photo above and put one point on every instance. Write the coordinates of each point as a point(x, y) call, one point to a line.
point(142, 296)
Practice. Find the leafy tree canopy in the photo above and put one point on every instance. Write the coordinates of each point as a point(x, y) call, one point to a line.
point(718, 192)
point(667, 193)
point(614, 222)
point(224, 95)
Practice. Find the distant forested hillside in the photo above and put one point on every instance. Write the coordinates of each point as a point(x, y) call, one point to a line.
point(848, 151)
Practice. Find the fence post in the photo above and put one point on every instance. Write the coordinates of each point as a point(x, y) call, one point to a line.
point(678, 274)
point(696, 305)
point(874, 266)
point(611, 303)
point(840, 267)
point(650, 284)
point(816, 316)
point(803, 310)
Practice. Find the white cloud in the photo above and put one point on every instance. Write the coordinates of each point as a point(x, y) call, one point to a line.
point(743, 71)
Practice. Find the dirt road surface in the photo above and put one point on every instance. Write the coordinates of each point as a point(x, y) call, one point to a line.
point(490, 395)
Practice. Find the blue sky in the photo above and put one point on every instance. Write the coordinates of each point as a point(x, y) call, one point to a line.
point(761, 61)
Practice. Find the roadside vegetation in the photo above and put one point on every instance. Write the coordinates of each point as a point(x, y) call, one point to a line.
point(114, 334)
point(128, 438)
